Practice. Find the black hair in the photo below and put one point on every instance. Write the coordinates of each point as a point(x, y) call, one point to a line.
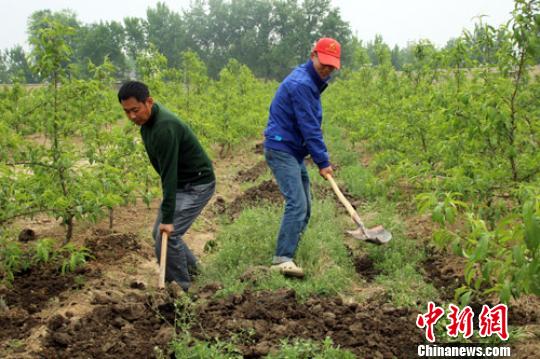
point(135, 89)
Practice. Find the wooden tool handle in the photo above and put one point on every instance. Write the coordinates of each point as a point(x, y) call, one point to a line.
point(345, 202)
point(163, 260)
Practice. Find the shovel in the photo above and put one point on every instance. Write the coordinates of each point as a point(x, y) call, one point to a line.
point(163, 260)
point(377, 235)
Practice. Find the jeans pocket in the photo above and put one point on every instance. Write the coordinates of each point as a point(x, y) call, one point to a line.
point(200, 188)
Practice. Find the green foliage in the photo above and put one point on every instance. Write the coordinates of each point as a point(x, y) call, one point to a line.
point(186, 347)
point(442, 211)
point(461, 141)
point(12, 259)
point(74, 257)
point(44, 250)
point(68, 158)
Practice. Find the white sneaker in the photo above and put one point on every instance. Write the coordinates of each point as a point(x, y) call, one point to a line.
point(289, 269)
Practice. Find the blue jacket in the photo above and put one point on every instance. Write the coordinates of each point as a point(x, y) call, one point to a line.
point(294, 123)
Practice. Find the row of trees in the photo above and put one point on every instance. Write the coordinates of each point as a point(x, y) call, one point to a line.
point(465, 143)
point(269, 36)
point(67, 155)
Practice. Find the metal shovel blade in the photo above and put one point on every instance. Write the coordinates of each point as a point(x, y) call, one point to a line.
point(377, 235)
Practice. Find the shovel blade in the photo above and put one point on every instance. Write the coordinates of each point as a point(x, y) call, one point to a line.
point(377, 235)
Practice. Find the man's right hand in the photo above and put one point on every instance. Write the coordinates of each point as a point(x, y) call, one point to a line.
point(326, 171)
point(167, 228)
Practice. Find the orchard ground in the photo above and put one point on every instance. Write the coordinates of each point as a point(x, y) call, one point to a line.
point(356, 297)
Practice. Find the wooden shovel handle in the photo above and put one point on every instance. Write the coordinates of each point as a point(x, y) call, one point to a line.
point(163, 260)
point(346, 203)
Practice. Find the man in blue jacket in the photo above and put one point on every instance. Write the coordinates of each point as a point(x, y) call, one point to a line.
point(294, 131)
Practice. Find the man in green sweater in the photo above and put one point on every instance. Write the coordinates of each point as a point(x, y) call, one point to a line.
point(187, 178)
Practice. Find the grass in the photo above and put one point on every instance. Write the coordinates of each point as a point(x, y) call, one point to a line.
point(300, 349)
point(250, 242)
point(398, 260)
point(187, 347)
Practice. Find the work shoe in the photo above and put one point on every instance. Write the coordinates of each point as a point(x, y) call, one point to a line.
point(288, 269)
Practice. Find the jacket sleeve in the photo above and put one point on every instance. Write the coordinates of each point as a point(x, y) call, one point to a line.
point(309, 125)
point(167, 156)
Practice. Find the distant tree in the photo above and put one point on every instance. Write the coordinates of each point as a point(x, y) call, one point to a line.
point(379, 52)
point(166, 30)
point(269, 36)
point(251, 42)
point(102, 40)
point(136, 36)
point(397, 60)
point(358, 55)
point(19, 68)
point(4, 69)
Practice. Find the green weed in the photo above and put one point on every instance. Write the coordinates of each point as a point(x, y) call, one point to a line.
point(250, 242)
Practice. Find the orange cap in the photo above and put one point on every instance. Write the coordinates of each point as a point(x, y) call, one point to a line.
point(329, 51)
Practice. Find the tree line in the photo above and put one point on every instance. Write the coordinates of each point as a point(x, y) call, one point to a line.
point(268, 36)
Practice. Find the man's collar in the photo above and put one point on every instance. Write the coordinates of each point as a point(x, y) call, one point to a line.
point(319, 82)
point(153, 114)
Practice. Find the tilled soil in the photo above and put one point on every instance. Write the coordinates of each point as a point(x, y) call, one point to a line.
point(261, 320)
point(31, 291)
point(131, 326)
point(108, 247)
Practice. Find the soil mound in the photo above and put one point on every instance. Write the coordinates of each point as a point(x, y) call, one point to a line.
point(261, 320)
point(108, 247)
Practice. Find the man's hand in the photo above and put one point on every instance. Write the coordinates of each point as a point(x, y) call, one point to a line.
point(326, 171)
point(167, 228)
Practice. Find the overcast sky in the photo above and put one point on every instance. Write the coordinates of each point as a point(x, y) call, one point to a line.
point(398, 21)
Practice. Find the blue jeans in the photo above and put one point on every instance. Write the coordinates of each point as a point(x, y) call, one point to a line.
point(293, 181)
point(190, 202)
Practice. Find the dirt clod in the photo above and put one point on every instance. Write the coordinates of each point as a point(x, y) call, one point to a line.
point(27, 235)
point(252, 173)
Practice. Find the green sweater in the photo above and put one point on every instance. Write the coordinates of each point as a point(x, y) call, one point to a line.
point(176, 155)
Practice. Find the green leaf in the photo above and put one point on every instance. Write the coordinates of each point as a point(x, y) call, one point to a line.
point(437, 214)
point(506, 292)
point(482, 248)
point(518, 255)
point(465, 298)
point(531, 221)
point(469, 272)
